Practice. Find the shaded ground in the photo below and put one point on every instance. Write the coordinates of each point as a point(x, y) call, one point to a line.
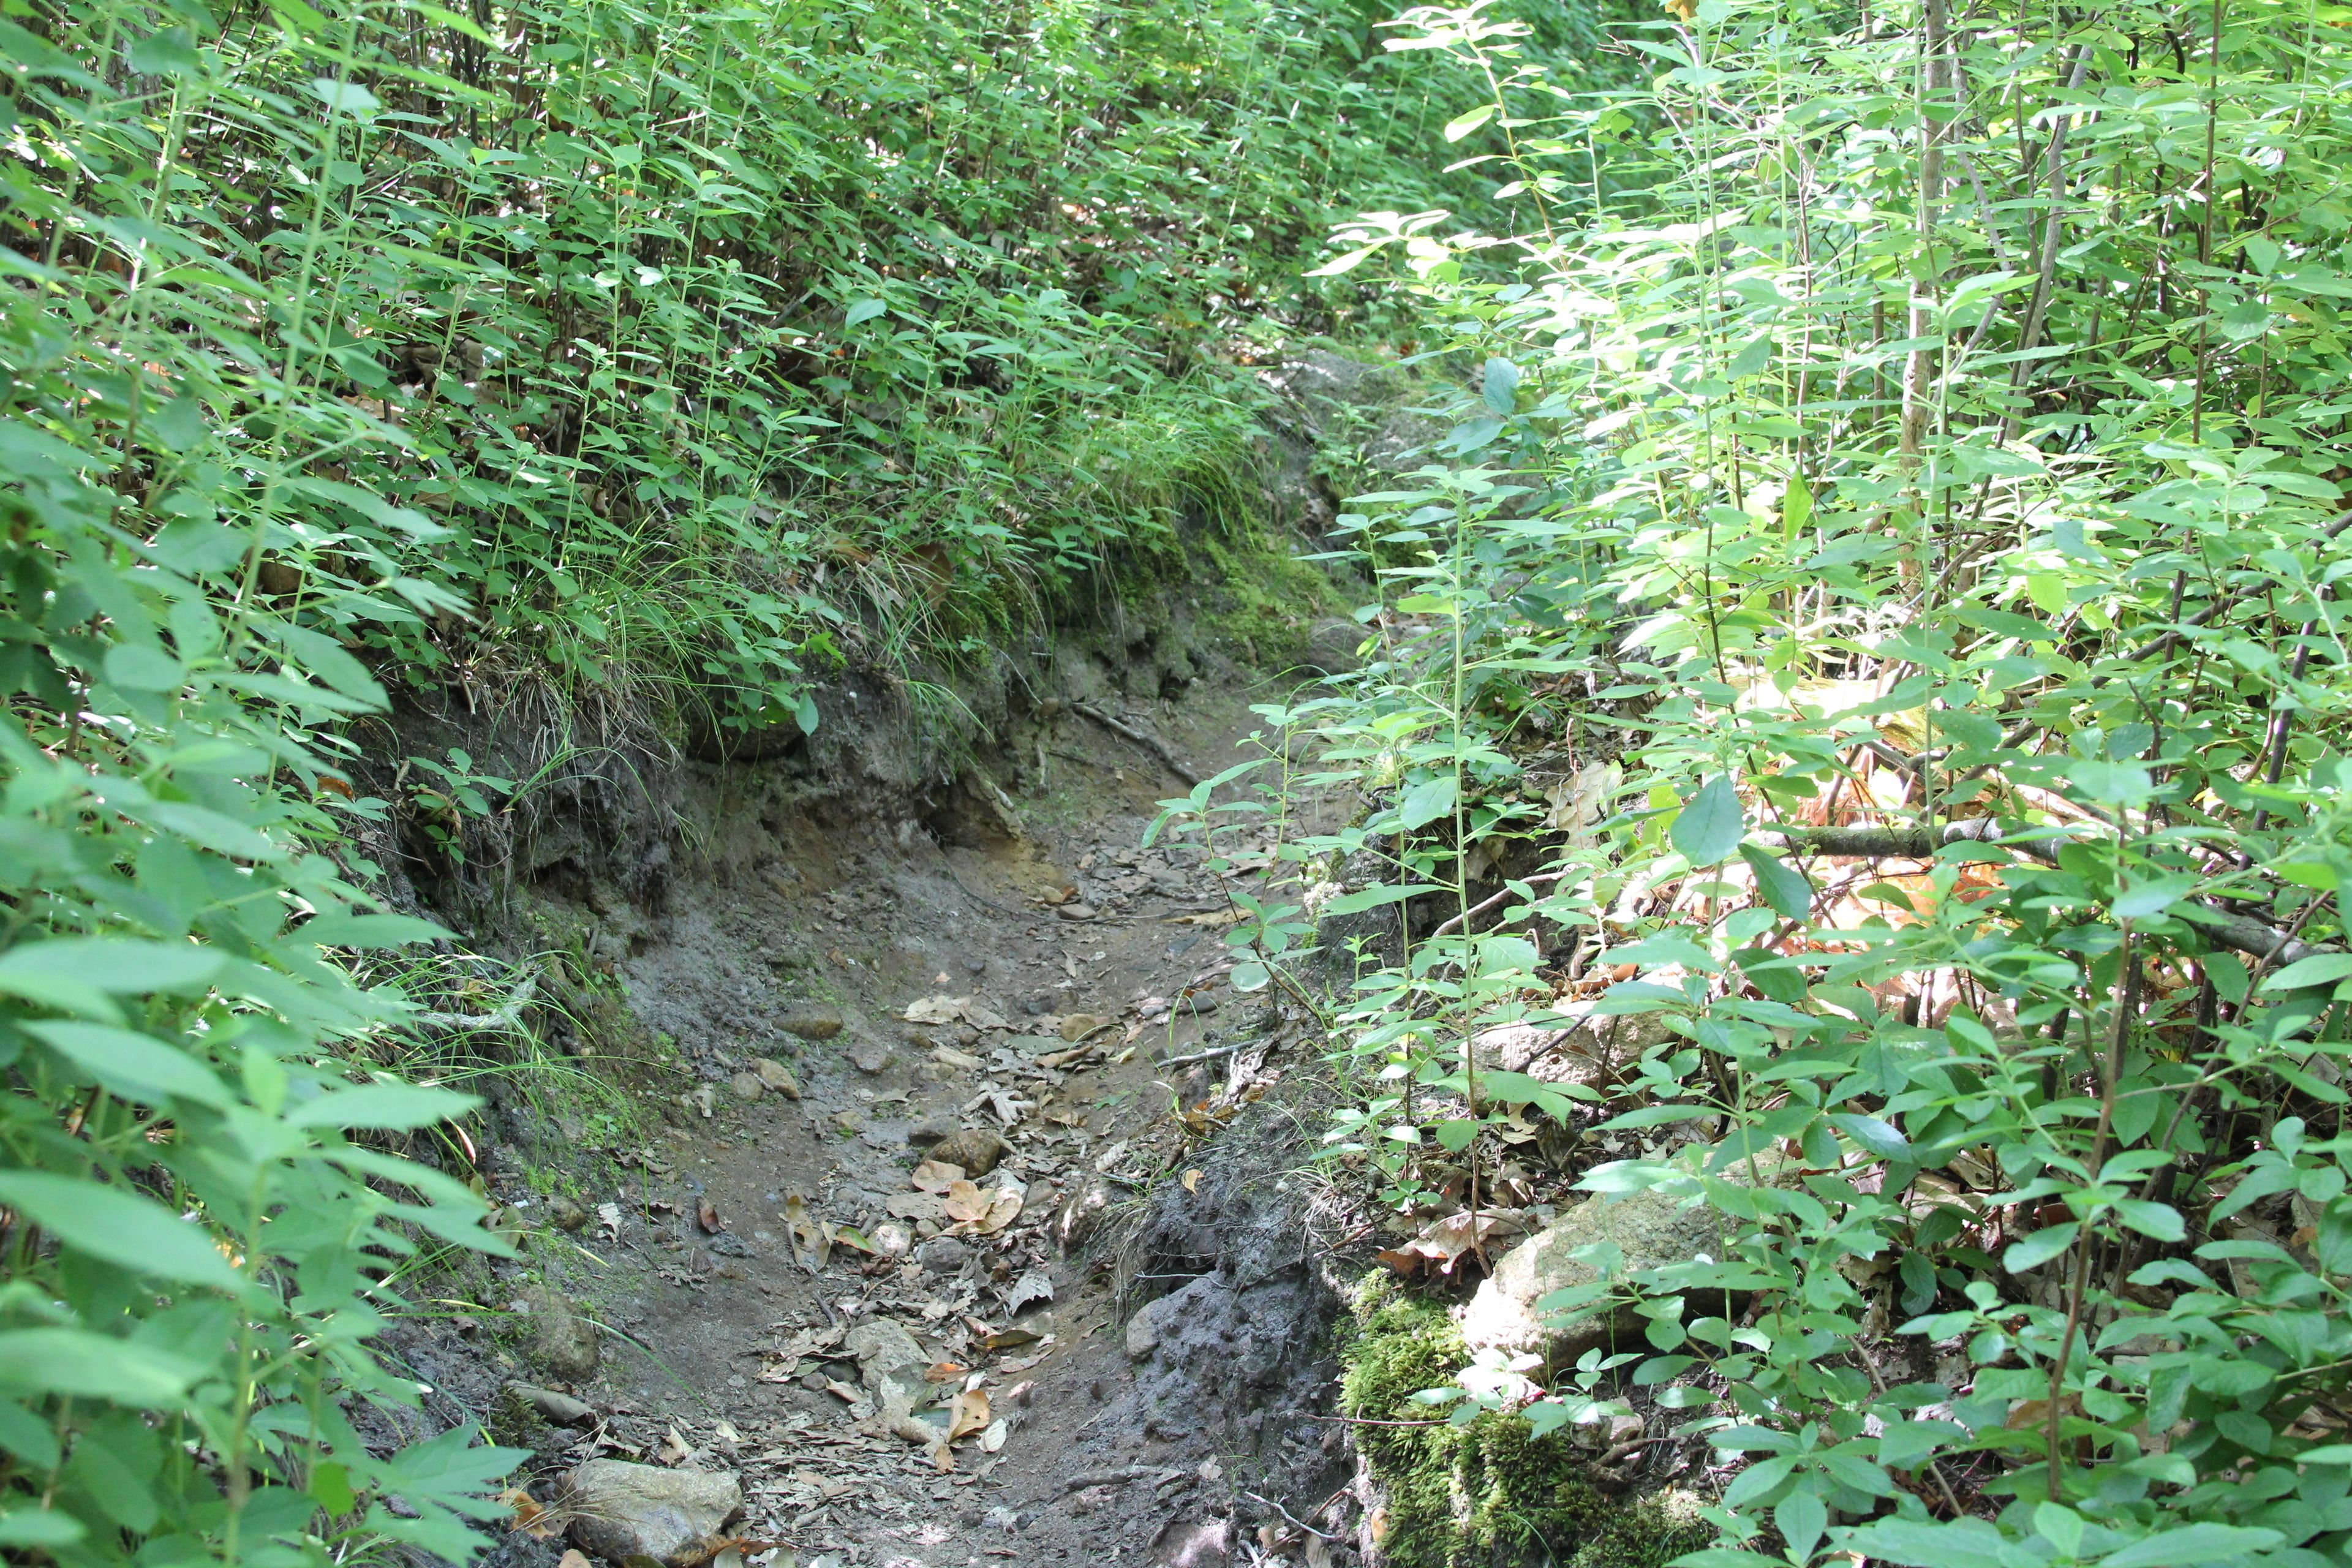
point(1071, 1002)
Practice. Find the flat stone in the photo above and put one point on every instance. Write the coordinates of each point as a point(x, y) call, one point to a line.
point(871, 1058)
point(943, 1255)
point(812, 1022)
point(625, 1510)
point(747, 1087)
point(890, 1362)
point(556, 1409)
point(929, 1131)
point(1075, 911)
point(1143, 1329)
point(1649, 1227)
point(560, 1340)
point(775, 1076)
point(1595, 1049)
point(975, 1148)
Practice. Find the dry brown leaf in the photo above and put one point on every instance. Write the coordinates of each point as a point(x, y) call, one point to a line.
point(936, 1010)
point(1442, 1242)
point(675, 1450)
point(1076, 1027)
point(981, 1213)
point(812, 1242)
point(1192, 1180)
point(530, 1515)
point(964, 1201)
point(1212, 917)
point(572, 1558)
point(944, 1372)
point(935, 1176)
point(969, 1414)
point(705, 1214)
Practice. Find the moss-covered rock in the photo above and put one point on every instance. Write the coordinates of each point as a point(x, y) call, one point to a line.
point(1490, 1493)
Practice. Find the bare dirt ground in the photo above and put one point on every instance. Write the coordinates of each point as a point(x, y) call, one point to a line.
point(788, 1283)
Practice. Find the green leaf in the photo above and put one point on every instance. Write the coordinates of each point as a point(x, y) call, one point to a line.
point(2159, 1220)
point(371, 931)
point(1881, 1138)
point(127, 1229)
point(1344, 263)
point(1373, 897)
point(397, 1106)
point(2040, 1247)
point(114, 965)
point(860, 312)
point(1425, 802)
point(1500, 386)
point(2320, 969)
point(2187, 1544)
point(137, 1066)
point(1461, 125)
point(1709, 828)
point(41, 1528)
point(93, 1366)
point(1963, 1544)
point(1784, 888)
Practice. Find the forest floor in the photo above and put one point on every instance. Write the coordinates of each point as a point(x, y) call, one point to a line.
point(1045, 1003)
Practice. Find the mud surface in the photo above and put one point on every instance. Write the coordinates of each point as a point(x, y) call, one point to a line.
point(1127, 1301)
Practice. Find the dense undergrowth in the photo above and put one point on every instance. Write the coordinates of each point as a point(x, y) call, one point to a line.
point(657, 360)
point(1876, 616)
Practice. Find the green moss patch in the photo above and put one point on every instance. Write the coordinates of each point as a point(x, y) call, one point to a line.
point(1488, 1492)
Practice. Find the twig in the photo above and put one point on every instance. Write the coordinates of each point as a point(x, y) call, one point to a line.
point(1116, 1478)
point(1208, 1055)
point(1482, 908)
point(507, 1015)
point(1156, 746)
point(1296, 1522)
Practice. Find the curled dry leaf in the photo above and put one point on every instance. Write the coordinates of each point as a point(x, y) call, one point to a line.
point(1034, 1286)
point(968, 1414)
point(954, 1010)
point(675, 1449)
point(812, 1242)
point(981, 1213)
point(1192, 1180)
point(608, 1220)
point(530, 1516)
point(935, 1176)
point(944, 1372)
point(1442, 1242)
point(706, 1214)
point(992, 1437)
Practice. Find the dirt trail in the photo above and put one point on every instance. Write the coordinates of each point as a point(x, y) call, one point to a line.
point(1095, 1037)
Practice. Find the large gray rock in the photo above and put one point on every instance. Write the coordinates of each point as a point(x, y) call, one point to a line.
point(623, 1511)
point(1650, 1229)
point(1595, 1049)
